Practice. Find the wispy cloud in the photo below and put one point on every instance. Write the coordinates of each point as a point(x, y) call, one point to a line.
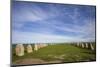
point(27, 37)
point(40, 22)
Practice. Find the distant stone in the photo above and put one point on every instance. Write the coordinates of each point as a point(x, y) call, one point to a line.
point(86, 45)
point(19, 50)
point(82, 45)
point(92, 48)
point(29, 49)
point(39, 45)
point(78, 44)
point(35, 47)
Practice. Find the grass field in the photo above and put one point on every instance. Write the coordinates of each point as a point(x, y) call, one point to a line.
point(61, 52)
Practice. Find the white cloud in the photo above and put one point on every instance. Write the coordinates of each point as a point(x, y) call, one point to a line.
point(74, 15)
point(29, 37)
point(36, 14)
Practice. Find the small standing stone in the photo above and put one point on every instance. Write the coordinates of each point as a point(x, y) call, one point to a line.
point(36, 47)
point(78, 44)
point(29, 49)
point(19, 50)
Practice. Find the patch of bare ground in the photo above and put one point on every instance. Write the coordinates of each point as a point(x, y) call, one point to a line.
point(34, 61)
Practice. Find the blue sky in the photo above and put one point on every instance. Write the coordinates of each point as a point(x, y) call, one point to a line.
point(52, 23)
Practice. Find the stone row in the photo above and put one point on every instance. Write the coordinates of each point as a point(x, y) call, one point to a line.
point(85, 45)
point(19, 49)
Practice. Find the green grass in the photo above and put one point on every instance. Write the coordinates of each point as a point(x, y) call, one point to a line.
point(64, 52)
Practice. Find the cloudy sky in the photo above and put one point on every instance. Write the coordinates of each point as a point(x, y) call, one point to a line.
point(34, 22)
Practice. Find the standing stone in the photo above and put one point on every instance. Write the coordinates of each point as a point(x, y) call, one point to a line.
point(45, 45)
point(36, 47)
point(82, 45)
point(92, 48)
point(78, 44)
point(86, 45)
point(19, 50)
point(29, 49)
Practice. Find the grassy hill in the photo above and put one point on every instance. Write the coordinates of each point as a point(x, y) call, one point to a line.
point(61, 52)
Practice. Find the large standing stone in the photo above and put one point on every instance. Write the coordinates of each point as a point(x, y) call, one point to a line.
point(36, 47)
point(92, 48)
point(19, 50)
point(29, 49)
